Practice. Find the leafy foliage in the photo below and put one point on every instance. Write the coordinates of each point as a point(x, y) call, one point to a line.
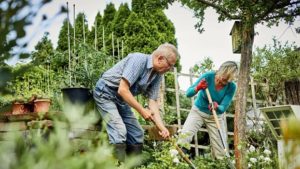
point(203, 66)
point(63, 146)
point(44, 49)
point(62, 43)
point(274, 65)
point(92, 35)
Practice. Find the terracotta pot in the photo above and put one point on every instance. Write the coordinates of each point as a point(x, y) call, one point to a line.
point(41, 105)
point(19, 108)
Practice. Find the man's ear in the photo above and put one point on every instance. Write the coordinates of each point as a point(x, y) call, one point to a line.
point(160, 58)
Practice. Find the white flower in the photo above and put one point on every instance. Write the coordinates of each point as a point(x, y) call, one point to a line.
point(173, 152)
point(71, 135)
point(175, 160)
point(260, 130)
point(267, 159)
point(249, 165)
point(261, 157)
point(233, 161)
point(267, 152)
point(253, 160)
point(154, 144)
point(252, 148)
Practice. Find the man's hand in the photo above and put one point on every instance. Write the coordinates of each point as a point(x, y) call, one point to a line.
point(147, 114)
point(164, 133)
point(215, 104)
point(201, 85)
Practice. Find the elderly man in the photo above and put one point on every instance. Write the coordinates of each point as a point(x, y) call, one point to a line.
point(114, 96)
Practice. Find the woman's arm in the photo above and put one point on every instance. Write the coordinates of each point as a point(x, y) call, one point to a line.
point(223, 106)
point(191, 90)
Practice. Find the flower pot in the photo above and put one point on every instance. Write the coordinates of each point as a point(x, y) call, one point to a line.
point(76, 95)
point(20, 108)
point(41, 105)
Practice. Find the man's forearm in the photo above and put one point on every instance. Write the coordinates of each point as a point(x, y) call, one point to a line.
point(155, 109)
point(129, 98)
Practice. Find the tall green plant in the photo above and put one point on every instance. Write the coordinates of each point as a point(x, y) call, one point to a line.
point(274, 65)
point(44, 51)
point(98, 35)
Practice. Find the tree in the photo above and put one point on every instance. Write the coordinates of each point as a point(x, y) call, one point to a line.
point(118, 26)
point(107, 21)
point(80, 24)
point(203, 66)
point(44, 51)
point(250, 13)
point(274, 65)
point(98, 26)
point(120, 19)
point(138, 35)
point(62, 43)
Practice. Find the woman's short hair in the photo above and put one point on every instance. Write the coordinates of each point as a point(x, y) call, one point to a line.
point(228, 69)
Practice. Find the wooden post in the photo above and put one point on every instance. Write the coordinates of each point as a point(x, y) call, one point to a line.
point(283, 95)
point(96, 34)
point(83, 29)
point(74, 28)
point(122, 49)
point(162, 95)
point(113, 45)
point(177, 97)
point(253, 98)
point(118, 50)
point(192, 101)
point(103, 33)
point(69, 46)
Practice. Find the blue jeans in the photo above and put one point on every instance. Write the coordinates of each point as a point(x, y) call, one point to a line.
point(121, 124)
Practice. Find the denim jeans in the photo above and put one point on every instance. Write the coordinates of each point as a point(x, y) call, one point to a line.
point(121, 124)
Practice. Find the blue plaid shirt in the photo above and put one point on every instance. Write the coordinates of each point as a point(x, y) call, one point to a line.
point(136, 69)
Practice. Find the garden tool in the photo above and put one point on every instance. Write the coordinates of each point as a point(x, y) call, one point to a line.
point(218, 126)
point(181, 153)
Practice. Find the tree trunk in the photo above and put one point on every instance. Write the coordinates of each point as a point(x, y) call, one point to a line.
point(292, 91)
point(241, 96)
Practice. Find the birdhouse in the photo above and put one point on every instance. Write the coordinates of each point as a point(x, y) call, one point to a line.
point(236, 35)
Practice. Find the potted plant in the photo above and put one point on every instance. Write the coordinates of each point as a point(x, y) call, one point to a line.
point(41, 104)
point(78, 80)
point(19, 106)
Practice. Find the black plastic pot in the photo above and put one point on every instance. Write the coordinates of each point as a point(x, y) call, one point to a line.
point(77, 95)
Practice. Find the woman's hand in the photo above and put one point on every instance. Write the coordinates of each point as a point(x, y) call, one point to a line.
point(215, 104)
point(202, 85)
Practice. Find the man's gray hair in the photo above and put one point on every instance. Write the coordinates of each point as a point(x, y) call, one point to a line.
point(168, 50)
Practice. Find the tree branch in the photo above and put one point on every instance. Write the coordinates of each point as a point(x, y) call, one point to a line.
point(281, 16)
point(218, 8)
point(274, 6)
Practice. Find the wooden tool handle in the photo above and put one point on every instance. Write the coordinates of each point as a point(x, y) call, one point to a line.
point(213, 108)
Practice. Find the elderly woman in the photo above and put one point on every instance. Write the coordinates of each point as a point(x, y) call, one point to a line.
point(222, 90)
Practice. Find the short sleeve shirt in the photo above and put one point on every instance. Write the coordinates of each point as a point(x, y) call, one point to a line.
point(136, 69)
